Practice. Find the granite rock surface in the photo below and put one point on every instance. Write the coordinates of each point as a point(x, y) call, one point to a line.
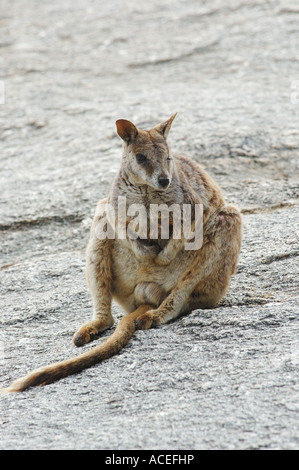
point(224, 378)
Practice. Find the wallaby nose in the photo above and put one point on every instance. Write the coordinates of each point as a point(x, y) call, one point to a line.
point(164, 182)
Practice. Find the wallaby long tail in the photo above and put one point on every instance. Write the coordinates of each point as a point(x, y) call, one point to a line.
point(51, 373)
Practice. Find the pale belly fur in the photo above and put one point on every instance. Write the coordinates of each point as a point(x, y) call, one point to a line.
point(135, 282)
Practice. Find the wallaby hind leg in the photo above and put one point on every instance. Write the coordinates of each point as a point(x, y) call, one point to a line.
point(207, 278)
point(99, 279)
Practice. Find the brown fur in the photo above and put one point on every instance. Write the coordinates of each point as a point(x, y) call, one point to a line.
point(154, 281)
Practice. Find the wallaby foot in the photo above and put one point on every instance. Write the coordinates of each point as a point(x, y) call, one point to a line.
point(90, 329)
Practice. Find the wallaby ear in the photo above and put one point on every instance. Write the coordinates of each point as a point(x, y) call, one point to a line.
point(126, 130)
point(164, 127)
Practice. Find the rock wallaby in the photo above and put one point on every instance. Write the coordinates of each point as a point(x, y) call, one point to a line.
point(153, 280)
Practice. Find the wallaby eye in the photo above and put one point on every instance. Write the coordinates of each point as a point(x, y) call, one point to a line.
point(140, 158)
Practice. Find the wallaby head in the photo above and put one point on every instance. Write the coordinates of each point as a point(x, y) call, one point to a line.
point(146, 157)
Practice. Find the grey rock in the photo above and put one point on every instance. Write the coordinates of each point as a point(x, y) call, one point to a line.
point(224, 378)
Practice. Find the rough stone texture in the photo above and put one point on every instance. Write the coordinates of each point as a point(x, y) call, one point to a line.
point(225, 378)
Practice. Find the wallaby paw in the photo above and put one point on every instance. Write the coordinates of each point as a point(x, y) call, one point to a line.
point(88, 332)
point(146, 320)
point(83, 336)
point(163, 259)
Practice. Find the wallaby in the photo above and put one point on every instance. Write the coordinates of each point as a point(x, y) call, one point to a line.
point(154, 281)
